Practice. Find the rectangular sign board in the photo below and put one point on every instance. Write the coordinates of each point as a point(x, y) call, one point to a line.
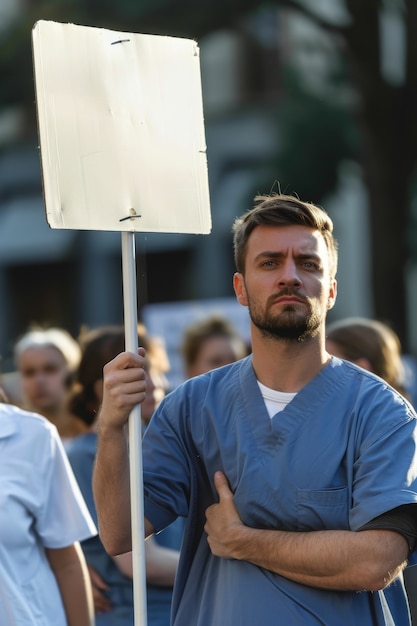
point(121, 130)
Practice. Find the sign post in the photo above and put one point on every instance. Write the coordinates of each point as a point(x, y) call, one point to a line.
point(135, 435)
point(122, 144)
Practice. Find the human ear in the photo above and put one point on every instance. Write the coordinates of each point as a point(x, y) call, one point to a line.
point(240, 290)
point(332, 294)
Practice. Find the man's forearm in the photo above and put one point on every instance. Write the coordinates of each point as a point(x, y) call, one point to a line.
point(111, 486)
point(330, 559)
point(342, 560)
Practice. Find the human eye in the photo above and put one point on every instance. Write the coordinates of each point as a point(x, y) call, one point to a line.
point(269, 260)
point(310, 264)
point(28, 373)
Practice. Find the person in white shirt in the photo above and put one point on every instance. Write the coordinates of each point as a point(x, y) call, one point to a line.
point(43, 517)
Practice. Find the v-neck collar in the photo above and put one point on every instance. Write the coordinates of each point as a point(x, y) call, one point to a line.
point(302, 407)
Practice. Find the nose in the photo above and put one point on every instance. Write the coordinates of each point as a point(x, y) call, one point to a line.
point(289, 273)
point(39, 377)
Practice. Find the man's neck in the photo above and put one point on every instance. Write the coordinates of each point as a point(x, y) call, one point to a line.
point(287, 365)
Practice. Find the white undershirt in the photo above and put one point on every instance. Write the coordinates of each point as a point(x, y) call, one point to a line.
point(275, 401)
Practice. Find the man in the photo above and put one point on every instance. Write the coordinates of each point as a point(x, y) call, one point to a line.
point(297, 471)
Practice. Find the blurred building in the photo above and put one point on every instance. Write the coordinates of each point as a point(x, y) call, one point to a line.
point(71, 278)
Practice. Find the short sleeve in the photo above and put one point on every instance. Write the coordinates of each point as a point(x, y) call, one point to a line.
point(167, 473)
point(64, 517)
point(385, 473)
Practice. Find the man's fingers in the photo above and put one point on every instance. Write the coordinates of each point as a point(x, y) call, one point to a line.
point(125, 361)
point(222, 486)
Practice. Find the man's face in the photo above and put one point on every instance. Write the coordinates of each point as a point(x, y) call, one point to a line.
point(287, 284)
point(43, 373)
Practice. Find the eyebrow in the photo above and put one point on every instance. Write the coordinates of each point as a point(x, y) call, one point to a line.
point(278, 255)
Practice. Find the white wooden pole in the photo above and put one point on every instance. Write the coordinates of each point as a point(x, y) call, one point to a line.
point(135, 434)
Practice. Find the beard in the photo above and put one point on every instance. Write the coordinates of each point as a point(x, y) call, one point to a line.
point(288, 325)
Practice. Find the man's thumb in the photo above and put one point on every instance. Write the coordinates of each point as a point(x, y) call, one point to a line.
point(221, 484)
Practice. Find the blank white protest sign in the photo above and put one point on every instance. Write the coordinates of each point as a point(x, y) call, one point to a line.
point(122, 142)
point(121, 130)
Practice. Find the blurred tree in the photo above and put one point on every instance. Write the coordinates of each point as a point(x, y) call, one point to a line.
point(388, 121)
point(385, 110)
point(317, 134)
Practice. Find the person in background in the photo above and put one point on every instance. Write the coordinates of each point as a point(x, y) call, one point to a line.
point(371, 344)
point(112, 577)
point(296, 470)
point(46, 360)
point(43, 575)
point(210, 343)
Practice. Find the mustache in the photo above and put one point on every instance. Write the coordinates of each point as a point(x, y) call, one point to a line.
point(288, 292)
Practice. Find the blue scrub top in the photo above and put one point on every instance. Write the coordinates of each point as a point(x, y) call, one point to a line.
point(325, 462)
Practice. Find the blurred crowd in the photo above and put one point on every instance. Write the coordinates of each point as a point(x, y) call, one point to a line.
point(58, 385)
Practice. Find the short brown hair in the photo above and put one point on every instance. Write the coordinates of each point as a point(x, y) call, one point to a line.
point(282, 210)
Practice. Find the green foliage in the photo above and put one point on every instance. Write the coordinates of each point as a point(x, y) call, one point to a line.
point(317, 136)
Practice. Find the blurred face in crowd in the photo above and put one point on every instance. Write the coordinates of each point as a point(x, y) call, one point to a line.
point(215, 352)
point(44, 374)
